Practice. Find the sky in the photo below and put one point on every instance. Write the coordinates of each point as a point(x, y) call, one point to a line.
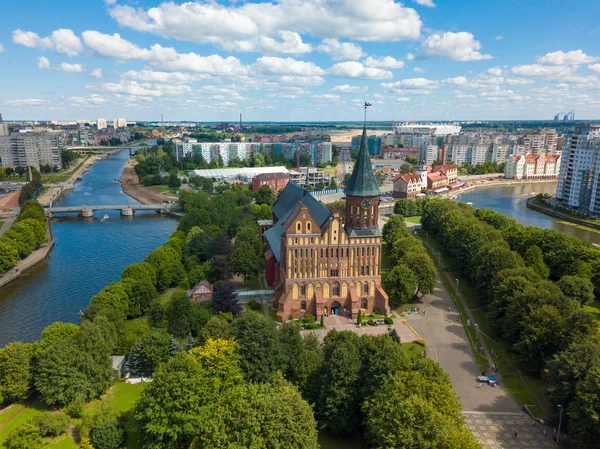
point(297, 60)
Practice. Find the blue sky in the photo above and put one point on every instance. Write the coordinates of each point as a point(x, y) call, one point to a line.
point(289, 60)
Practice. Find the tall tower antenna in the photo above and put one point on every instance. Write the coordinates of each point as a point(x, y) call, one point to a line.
point(367, 104)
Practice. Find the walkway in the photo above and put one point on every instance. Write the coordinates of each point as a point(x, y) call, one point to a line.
point(344, 324)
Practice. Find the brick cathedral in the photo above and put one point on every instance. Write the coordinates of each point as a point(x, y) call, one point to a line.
point(321, 264)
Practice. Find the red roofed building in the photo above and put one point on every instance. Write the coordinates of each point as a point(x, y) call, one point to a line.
point(276, 181)
point(436, 180)
point(407, 186)
point(450, 170)
point(203, 291)
point(533, 166)
point(390, 152)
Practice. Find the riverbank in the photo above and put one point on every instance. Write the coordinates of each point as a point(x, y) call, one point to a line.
point(32, 259)
point(532, 204)
point(479, 184)
point(130, 184)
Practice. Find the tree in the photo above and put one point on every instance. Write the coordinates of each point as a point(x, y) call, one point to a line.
point(140, 270)
point(395, 223)
point(264, 195)
point(423, 268)
point(577, 288)
point(9, 254)
point(225, 298)
point(26, 436)
point(244, 260)
point(55, 332)
point(51, 424)
point(339, 403)
point(305, 368)
point(400, 284)
point(244, 418)
point(171, 409)
point(217, 327)
point(179, 314)
point(108, 435)
point(258, 361)
point(151, 351)
point(584, 410)
point(220, 269)
point(534, 257)
point(220, 359)
point(16, 370)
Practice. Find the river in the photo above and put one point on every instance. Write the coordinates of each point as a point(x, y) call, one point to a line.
point(88, 255)
point(510, 200)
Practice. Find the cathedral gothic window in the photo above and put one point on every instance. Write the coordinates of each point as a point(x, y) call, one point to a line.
point(335, 290)
point(366, 288)
point(303, 305)
point(303, 289)
point(363, 303)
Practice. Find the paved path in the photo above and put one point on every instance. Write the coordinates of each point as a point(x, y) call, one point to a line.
point(341, 323)
point(447, 343)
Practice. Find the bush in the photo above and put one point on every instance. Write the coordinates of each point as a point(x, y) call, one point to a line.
point(254, 305)
point(308, 318)
point(420, 342)
point(388, 320)
point(26, 436)
point(371, 322)
point(51, 424)
point(108, 435)
point(376, 311)
point(75, 408)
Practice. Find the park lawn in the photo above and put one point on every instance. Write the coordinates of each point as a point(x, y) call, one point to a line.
point(330, 441)
point(32, 409)
point(416, 219)
point(412, 348)
point(61, 442)
point(525, 389)
point(10, 413)
point(122, 397)
point(158, 189)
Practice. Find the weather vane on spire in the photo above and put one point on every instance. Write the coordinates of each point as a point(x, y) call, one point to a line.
point(367, 104)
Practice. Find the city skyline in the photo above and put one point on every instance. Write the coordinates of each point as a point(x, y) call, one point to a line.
point(294, 61)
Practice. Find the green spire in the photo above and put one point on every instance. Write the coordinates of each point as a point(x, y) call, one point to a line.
point(363, 181)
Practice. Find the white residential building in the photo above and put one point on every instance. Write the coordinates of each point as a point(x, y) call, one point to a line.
point(101, 124)
point(499, 153)
point(579, 181)
point(38, 148)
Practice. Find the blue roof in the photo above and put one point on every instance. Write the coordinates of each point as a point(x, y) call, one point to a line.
point(292, 195)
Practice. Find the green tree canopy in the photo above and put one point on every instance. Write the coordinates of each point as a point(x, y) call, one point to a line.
point(400, 284)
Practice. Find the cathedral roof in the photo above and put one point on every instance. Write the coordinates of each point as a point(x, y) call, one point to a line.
point(363, 181)
point(291, 196)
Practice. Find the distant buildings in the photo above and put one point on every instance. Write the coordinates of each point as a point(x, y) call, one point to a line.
point(101, 124)
point(373, 144)
point(579, 180)
point(275, 181)
point(390, 152)
point(440, 177)
point(310, 177)
point(407, 186)
point(244, 174)
point(31, 148)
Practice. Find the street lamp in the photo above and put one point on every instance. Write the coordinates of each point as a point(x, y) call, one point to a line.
point(476, 332)
point(559, 422)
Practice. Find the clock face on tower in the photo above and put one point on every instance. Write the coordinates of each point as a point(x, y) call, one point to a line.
point(365, 204)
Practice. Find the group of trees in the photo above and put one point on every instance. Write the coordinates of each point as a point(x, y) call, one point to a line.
point(33, 188)
point(409, 208)
point(26, 234)
point(533, 283)
point(153, 161)
point(67, 157)
point(483, 169)
point(413, 270)
point(227, 391)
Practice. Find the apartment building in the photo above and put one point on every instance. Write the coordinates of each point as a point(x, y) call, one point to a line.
point(579, 180)
point(31, 148)
point(309, 176)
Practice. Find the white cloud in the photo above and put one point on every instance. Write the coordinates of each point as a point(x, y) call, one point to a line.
point(428, 3)
point(402, 99)
point(575, 57)
point(71, 68)
point(419, 70)
point(457, 81)
point(1, 48)
point(594, 67)
point(302, 80)
point(143, 89)
point(163, 77)
point(410, 84)
point(26, 102)
point(114, 46)
point(460, 46)
point(43, 62)
point(348, 89)
point(542, 71)
point(61, 40)
point(499, 37)
point(94, 99)
point(286, 66)
point(373, 20)
point(96, 73)
point(110, 2)
point(353, 69)
point(518, 81)
point(289, 42)
point(495, 71)
point(340, 51)
point(213, 64)
point(328, 97)
point(410, 56)
point(384, 62)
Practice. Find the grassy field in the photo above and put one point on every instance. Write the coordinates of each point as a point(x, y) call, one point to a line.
point(416, 219)
point(158, 189)
point(272, 312)
point(525, 389)
point(412, 348)
point(16, 417)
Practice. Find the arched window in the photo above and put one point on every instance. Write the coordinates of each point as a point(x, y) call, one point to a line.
point(366, 288)
point(363, 303)
point(299, 226)
point(335, 290)
point(303, 289)
point(303, 305)
point(308, 226)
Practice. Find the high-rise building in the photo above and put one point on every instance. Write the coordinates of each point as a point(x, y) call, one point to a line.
point(373, 143)
point(101, 124)
point(3, 127)
point(579, 180)
point(34, 149)
point(121, 123)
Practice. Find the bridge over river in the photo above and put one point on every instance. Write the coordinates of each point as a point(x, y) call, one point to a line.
point(87, 211)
